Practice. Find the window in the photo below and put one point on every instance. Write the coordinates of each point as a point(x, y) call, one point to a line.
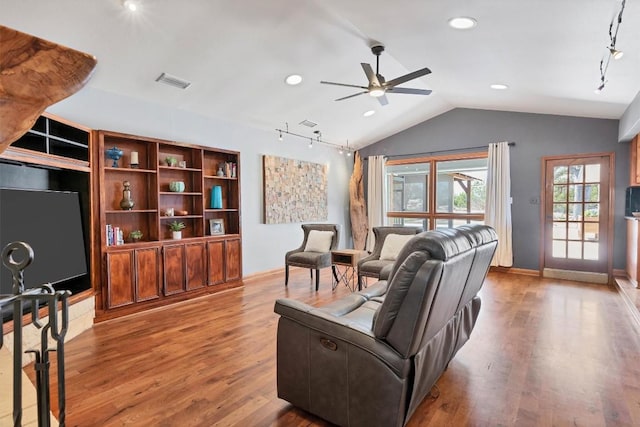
point(452, 196)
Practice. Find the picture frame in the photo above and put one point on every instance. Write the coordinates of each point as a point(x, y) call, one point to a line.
point(216, 226)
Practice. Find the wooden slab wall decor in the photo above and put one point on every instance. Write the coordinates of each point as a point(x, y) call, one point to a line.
point(358, 206)
point(34, 74)
point(294, 190)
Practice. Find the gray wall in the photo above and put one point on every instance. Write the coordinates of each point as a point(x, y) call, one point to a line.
point(630, 121)
point(263, 246)
point(536, 136)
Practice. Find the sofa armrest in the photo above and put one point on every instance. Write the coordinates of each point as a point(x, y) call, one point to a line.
point(343, 329)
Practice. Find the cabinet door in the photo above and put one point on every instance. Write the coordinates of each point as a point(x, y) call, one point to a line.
point(215, 252)
point(233, 260)
point(174, 269)
point(147, 274)
point(634, 167)
point(120, 277)
point(196, 265)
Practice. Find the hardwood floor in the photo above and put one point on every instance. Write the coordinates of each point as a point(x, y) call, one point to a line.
point(544, 353)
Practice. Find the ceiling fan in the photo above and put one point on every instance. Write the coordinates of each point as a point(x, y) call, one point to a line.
point(378, 86)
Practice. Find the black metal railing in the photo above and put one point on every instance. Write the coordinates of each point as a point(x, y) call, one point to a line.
point(16, 257)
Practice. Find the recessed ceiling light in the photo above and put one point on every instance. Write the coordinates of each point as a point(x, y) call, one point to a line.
point(293, 79)
point(499, 86)
point(462, 22)
point(369, 113)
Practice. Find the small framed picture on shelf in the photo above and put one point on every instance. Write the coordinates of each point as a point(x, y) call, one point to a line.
point(216, 226)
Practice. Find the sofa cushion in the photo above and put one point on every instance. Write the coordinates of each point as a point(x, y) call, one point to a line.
point(319, 241)
point(392, 246)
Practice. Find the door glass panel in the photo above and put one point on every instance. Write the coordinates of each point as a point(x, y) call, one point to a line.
point(559, 193)
point(575, 211)
point(592, 173)
point(560, 230)
point(559, 249)
point(591, 231)
point(574, 250)
point(592, 212)
point(560, 175)
point(591, 251)
point(592, 193)
point(574, 231)
point(559, 211)
point(576, 173)
point(575, 193)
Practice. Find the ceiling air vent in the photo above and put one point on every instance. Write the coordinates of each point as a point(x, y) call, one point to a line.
point(308, 123)
point(173, 81)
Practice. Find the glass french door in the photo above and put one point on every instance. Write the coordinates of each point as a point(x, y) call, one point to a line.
point(577, 213)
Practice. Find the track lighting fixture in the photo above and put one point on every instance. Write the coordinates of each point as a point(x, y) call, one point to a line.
point(317, 139)
point(612, 50)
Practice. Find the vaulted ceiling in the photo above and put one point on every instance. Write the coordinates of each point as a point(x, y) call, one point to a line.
point(237, 54)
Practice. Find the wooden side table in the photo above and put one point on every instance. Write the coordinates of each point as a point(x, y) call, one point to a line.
point(348, 260)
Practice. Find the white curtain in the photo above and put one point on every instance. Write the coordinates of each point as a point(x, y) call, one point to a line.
point(498, 201)
point(375, 196)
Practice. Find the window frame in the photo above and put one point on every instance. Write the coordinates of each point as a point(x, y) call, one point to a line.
point(430, 214)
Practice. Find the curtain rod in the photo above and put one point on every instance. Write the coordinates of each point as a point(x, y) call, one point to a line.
point(510, 144)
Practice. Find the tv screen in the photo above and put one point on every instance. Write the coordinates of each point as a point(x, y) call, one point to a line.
point(51, 223)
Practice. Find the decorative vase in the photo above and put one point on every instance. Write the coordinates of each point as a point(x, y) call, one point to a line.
point(114, 154)
point(176, 186)
point(220, 171)
point(127, 202)
point(176, 235)
point(216, 197)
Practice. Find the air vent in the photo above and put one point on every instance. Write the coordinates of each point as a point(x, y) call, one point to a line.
point(308, 123)
point(173, 81)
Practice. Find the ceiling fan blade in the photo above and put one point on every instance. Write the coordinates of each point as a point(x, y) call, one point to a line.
point(343, 84)
point(407, 77)
point(371, 76)
point(383, 100)
point(351, 96)
point(409, 91)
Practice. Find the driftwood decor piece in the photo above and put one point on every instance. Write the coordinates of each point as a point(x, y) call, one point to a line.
point(294, 191)
point(357, 205)
point(35, 74)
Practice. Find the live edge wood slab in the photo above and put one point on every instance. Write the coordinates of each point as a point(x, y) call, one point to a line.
point(34, 74)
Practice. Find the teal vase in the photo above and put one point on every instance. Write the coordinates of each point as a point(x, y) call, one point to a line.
point(216, 197)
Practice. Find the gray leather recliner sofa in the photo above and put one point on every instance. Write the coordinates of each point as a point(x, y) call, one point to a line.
point(370, 358)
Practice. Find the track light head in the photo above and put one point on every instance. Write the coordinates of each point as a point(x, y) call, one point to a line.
point(617, 54)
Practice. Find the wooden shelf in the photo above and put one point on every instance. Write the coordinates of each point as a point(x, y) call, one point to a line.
point(234, 178)
point(133, 211)
point(129, 170)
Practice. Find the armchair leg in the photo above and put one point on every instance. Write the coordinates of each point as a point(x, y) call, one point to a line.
point(317, 279)
point(359, 282)
point(286, 274)
point(334, 270)
point(311, 273)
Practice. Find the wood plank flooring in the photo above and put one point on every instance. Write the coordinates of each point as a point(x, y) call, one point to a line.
point(544, 353)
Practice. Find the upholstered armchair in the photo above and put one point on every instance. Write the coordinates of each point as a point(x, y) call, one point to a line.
point(315, 251)
point(373, 264)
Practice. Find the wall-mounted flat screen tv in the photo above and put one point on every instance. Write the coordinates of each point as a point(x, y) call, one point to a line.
point(51, 223)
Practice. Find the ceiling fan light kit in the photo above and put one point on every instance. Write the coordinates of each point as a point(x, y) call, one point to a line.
point(378, 86)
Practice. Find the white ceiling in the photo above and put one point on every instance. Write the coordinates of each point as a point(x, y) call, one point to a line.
point(237, 54)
